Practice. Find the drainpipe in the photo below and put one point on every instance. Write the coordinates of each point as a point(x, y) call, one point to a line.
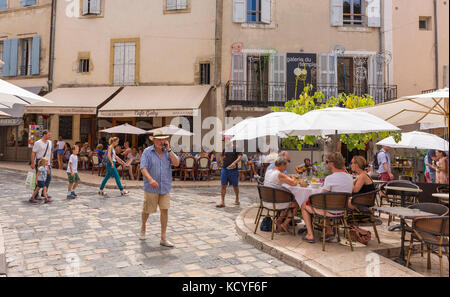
point(218, 44)
point(436, 49)
point(52, 47)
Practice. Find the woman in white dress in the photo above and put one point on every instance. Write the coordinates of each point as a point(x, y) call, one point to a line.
point(274, 178)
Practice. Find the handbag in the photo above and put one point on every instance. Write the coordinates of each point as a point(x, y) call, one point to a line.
point(266, 224)
point(360, 235)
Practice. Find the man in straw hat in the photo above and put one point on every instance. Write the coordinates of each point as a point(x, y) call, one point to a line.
point(156, 168)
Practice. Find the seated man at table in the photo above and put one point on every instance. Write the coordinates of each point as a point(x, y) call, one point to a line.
point(274, 179)
point(306, 167)
point(338, 181)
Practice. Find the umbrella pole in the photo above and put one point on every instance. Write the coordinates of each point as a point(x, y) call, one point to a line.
point(335, 141)
point(415, 179)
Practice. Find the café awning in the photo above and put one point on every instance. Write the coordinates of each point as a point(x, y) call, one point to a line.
point(73, 101)
point(155, 101)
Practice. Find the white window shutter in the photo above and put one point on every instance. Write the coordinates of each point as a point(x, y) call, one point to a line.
point(277, 74)
point(327, 76)
point(373, 12)
point(130, 63)
point(376, 78)
point(239, 77)
point(266, 11)
point(181, 4)
point(85, 10)
point(119, 64)
point(171, 4)
point(95, 7)
point(336, 13)
point(239, 11)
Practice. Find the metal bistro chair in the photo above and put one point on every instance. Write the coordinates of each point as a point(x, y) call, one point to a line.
point(331, 201)
point(431, 231)
point(364, 203)
point(394, 197)
point(203, 169)
point(274, 201)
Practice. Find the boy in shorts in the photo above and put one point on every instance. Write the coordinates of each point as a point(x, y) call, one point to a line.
point(72, 173)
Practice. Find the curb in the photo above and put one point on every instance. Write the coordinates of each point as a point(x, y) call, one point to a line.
point(309, 266)
point(2, 254)
point(114, 187)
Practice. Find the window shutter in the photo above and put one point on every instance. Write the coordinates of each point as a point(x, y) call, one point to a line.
point(36, 55)
point(374, 13)
point(327, 77)
point(337, 12)
point(85, 10)
point(23, 3)
point(239, 11)
point(181, 4)
point(277, 74)
point(265, 11)
point(171, 4)
point(376, 78)
point(118, 63)
point(5, 57)
point(239, 77)
point(95, 7)
point(3, 4)
point(13, 56)
point(31, 2)
point(130, 63)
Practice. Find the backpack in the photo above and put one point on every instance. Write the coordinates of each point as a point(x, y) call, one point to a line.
point(360, 235)
point(375, 161)
point(266, 224)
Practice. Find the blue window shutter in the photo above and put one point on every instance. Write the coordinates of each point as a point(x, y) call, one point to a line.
point(3, 4)
point(36, 55)
point(13, 56)
point(23, 3)
point(6, 55)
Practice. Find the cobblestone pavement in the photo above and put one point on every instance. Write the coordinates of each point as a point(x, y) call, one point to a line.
point(101, 235)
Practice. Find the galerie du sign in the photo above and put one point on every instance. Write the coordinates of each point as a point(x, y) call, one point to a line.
point(301, 70)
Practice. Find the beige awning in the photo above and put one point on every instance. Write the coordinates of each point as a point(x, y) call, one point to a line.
point(73, 101)
point(155, 101)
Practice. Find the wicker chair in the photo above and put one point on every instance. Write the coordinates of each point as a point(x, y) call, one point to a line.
point(274, 201)
point(96, 166)
point(364, 203)
point(203, 169)
point(394, 197)
point(432, 232)
point(335, 202)
point(189, 168)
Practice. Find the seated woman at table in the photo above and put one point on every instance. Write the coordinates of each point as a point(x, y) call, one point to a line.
point(338, 181)
point(131, 161)
point(126, 150)
point(363, 183)
point(99, 153)
point(274, 179)
point(85, 152)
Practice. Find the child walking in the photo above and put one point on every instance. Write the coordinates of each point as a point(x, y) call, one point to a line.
point(41, 177)
point(72, 173)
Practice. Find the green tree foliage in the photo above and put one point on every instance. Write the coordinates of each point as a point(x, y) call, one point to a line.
point(307, 102)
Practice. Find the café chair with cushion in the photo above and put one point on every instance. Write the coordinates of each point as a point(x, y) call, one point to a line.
point(95, 164)
point(203, 169)
point(244, 171)
point(364, 203)
point(274, 201)
point(189, 168)
point(394, 197)
point(334, 202)
point(432, 232)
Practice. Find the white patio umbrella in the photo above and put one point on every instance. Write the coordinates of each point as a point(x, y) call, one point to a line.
point(4, 115)
point(11, 94)
point(268, 125)
point(172, 130)
point(124, 129)
point(423, 108)
point(417, 140)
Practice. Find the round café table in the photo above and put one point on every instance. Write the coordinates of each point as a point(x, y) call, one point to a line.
point(443, 197)
point(302, 194)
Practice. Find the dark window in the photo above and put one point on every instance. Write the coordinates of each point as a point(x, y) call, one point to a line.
point(205, 74)
point(85, 129)
point(353, 12)
point(84, 65)
point(65, 126)
point(254, 11)
point(424, 23)
point(25, 56)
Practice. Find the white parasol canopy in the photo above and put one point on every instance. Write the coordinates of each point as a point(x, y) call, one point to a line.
point(417, 140)
point(4, 115)
point(336, 120)
point(268, 125)
point(171, 130)
point(11, 94)
point(124, 129)
point(423, 108)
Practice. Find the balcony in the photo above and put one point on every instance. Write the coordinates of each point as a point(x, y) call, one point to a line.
point(251, 94)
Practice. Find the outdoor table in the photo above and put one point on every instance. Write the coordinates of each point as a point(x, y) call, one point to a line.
point(302, 194)
point(404, 214)
point(403, 193)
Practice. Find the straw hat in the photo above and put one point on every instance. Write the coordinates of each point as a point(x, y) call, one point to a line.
point(158, 134)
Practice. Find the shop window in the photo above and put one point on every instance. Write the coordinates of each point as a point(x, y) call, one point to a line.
point(65, 127)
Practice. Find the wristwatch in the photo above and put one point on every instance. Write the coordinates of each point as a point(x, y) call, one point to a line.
point(169, 151)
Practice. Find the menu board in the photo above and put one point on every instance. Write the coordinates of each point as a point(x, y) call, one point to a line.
point(65, 127)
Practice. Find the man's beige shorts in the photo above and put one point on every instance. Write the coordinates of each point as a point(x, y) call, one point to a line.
point(151, 202)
